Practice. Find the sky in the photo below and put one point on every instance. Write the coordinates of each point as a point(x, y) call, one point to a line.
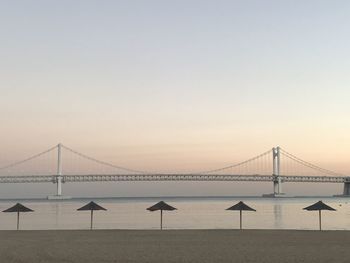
point(176, 86)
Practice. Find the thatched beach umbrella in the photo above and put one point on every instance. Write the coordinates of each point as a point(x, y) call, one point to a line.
point(161, 206)
point(17, 208)
point(319, 206)
point(240, 206)
point(91, 206)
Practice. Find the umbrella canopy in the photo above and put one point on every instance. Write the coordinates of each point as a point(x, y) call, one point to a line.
point(161, 206)
point(91, 207)
point(17, 208)
point(319, 206)
point(240, 206)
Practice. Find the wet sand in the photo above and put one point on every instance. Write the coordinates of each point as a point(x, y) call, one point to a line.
point(203, 246)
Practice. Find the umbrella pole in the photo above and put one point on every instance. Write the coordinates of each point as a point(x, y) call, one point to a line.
point(161, 219)
point(91, 220)
point(240, 219)
point(17, 220)
point(320, 221)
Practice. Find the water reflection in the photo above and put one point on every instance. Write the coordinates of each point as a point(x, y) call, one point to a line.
point(57, 209)
point(206, 213)
point(277, 211)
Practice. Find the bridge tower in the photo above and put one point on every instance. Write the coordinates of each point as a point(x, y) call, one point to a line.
point(277, 182)
point(59, 178)
point(59, 170)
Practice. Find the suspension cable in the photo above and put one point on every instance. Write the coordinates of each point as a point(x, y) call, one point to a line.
point(102, 162)
point(238, 164)
point(309, 165)
point(27, 159)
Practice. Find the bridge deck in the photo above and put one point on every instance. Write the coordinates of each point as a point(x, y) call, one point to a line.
point(170, 177)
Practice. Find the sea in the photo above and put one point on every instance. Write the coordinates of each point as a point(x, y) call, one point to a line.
point(191, 213)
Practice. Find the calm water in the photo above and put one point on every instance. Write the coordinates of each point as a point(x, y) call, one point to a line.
point(195, 213)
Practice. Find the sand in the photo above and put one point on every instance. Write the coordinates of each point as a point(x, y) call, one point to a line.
point(203, 246)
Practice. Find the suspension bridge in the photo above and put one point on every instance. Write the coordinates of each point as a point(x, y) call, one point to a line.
point(61, 164)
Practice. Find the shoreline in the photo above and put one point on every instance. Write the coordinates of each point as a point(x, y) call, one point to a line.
point(174, 197)
point(172, 229)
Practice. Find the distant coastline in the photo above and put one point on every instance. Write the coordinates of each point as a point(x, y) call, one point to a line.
point(175, 197)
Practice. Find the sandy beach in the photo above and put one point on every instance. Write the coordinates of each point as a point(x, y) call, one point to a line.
point(174, 246)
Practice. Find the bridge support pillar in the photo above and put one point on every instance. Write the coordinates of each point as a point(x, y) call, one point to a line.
point(277, 186)
point(346, 191)
point(59, 186)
